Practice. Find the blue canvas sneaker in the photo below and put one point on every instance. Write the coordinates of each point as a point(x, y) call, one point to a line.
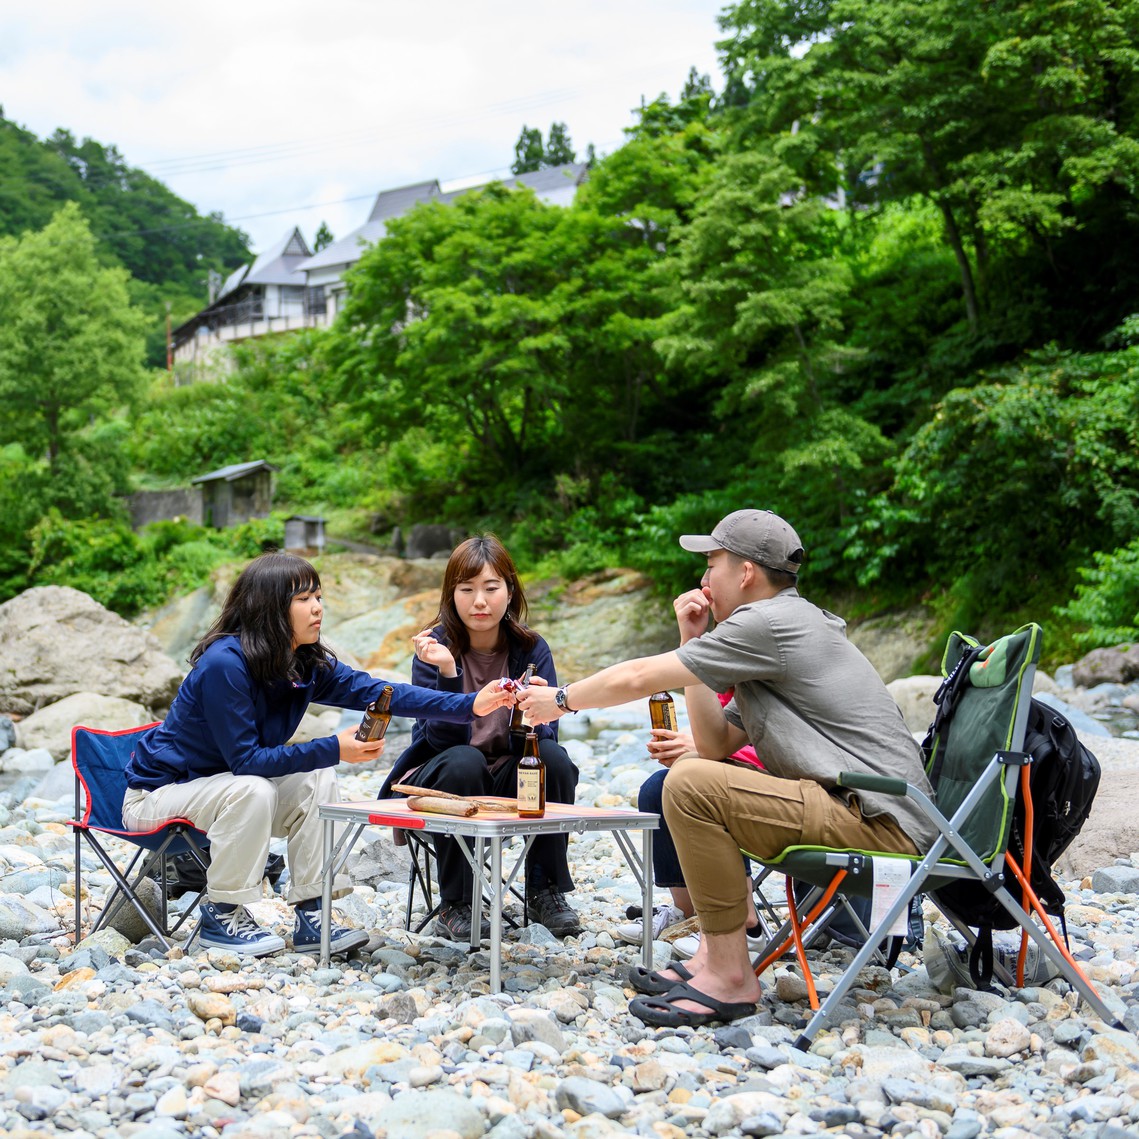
point(306, 932)
point(231, 927)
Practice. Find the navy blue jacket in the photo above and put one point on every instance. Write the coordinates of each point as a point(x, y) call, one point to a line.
point(223, 720)
point(430, 737)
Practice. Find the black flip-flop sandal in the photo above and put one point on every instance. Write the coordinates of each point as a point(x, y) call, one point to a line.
point(651, 983)
point(661, 1011)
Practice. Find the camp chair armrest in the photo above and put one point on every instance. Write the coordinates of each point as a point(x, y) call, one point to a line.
point(863, 781)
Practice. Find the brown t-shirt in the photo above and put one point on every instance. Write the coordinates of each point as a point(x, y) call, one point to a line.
point(490, 734)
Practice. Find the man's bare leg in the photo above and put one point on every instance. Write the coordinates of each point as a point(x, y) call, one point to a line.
point(725, 971)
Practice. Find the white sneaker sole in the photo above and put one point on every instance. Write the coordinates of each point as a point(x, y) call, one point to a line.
point(266, 947)
point(345, 943)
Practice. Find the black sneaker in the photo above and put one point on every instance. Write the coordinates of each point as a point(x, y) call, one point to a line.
point(454, 922)
point(549, 907)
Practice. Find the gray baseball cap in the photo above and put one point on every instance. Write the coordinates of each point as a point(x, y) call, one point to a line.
point(757, 535)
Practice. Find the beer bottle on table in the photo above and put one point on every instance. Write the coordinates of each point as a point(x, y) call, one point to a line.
point(531, 780)
point(377, 715)
point(518, 725)
point(662, 711)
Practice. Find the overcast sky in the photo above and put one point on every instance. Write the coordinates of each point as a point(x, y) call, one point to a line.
point(281, 114)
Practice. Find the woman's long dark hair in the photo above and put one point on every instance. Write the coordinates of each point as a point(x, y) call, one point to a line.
point(257, 612)
point(466, 561)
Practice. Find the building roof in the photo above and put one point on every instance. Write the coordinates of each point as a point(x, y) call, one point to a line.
point(555, 185)
point(235, 471)
point(304, 518)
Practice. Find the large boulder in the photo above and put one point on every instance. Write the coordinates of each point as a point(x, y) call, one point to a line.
point(1112, 828)
point(914, 695)
point(56, 641)
point(1118, 665)
point(50, 727)
point(895, 641)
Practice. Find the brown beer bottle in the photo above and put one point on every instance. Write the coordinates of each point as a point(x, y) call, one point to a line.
point(662, 711)
point(376, 716)
point(517, 720)
point(531, 780)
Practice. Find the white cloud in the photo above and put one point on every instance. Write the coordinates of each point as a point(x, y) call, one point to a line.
point(251, 108)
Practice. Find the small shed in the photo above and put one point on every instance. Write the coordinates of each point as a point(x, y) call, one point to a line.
point(304, 534)
point(236, 493)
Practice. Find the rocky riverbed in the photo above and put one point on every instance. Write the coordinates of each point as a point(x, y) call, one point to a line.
point(113, 1038)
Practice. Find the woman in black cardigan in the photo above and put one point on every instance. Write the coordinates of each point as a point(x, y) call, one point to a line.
point(480, 632)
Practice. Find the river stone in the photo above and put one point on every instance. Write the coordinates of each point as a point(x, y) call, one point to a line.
point(413, 1115)
point(24, 761)
point(586, 1096)
point(536, 1025)
point(56, 641)
point(20, 918)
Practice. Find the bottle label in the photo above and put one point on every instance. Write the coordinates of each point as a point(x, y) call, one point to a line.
point(529, 790)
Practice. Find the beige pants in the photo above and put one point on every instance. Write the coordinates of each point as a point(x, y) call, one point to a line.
point(715, 810)
point(240, 813)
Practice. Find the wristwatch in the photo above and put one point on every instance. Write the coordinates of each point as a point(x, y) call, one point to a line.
point(561, 700)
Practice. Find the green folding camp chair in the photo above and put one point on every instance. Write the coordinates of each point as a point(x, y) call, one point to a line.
point(979, 763)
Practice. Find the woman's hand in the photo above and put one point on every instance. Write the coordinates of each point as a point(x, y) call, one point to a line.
point(431, 651)
point(353, 750)
point(668, 746)
point(493, 696)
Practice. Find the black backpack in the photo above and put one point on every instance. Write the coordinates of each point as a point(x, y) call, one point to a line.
point(1063, 780)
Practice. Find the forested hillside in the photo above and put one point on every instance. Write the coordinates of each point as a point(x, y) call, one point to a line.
point(162, 241)
point(882, 279)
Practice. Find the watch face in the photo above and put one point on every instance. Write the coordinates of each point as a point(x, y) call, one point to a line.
point(560, 697)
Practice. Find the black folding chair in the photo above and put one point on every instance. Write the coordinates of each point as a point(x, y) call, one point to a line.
point(100, 759)
point(419, 882)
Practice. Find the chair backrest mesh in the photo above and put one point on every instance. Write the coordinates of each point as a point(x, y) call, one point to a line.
point(100, 760)
point(990, 715)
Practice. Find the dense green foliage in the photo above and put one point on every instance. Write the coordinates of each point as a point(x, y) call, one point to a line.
point(882, 283)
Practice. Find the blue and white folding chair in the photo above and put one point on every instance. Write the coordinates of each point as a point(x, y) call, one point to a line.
point(100, 759)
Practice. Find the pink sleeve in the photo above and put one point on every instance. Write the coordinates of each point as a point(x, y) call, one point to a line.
point(745, 754)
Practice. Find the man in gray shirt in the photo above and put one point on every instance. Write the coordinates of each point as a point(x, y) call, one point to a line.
point(811, 705)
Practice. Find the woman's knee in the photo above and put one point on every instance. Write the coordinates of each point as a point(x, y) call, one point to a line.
point(650, 796)
point(460, 769)
point(561, 771)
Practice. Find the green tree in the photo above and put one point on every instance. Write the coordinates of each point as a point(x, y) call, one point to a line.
point(323, 237)
point(70, 344)
point(1015, 120)
point(528, 151)
point(559, 149)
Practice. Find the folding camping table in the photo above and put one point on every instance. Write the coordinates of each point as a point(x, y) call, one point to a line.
point(488, 830)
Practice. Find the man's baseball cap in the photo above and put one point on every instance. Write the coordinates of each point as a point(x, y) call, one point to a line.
point(757, 535)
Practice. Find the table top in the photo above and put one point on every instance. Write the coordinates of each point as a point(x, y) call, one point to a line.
point(559, 818)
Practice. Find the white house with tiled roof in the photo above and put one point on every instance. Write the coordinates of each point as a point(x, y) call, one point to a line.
point(289, 287)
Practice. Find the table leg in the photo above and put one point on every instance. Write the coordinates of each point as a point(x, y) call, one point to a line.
point(326, 895)
point(498, 900)
point(477, 892)
point(647, 897)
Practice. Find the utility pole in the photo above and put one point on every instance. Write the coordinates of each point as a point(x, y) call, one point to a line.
point(169, 345)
